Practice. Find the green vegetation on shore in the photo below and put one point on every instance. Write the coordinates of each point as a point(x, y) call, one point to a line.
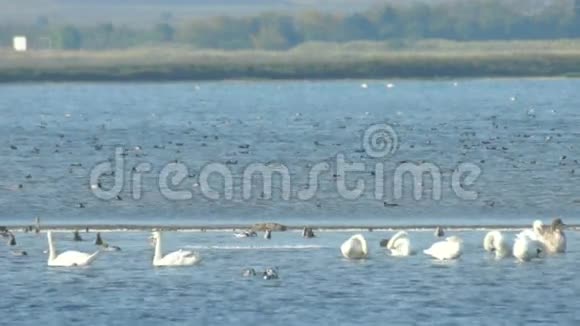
point(452, 20)
point(455, 39)
point(424, 59)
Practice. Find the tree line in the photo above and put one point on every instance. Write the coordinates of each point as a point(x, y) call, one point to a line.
point(462, 21)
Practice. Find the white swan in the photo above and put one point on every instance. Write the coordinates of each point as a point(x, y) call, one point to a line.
point(355, 247)
point(68, 258)
point(449, 249)
point(495, 242)
point(176, 258)
point(553, 238)
point(526, 246)
point(400, 245)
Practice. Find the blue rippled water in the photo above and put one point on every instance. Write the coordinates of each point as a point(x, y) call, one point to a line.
point(521, 133)
point(316, 285)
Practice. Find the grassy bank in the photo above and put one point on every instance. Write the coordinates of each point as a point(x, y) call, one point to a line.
point(428, 59)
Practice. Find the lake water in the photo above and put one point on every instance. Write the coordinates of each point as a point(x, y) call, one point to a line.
point(522, 136)
point(316, 285)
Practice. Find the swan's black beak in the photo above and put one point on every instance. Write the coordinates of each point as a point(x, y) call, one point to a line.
point(539, 251)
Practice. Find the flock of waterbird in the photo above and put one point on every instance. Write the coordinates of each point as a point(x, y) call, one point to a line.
point(73, 258)
point(529, 244)
point(471, 143)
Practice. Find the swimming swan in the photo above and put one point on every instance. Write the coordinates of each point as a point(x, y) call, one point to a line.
point(68, 258)
point(449, 249)
point(176, 258)
point(355, 247)
point(527, 247)
point(400, 245)
point(553, 237)
point(495, 242)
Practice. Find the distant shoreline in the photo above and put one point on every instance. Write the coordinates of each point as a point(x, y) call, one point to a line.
point(321, 62)
point(357, 71)
point(35, 78)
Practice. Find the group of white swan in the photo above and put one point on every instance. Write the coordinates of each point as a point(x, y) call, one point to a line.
point(528, 244)
point(356, 247)
point(73, 258)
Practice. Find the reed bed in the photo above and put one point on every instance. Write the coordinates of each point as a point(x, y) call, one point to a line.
point(424, 59)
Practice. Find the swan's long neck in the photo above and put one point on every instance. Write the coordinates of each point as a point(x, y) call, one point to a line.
point(51, 248)
point(399, 235)
point(489, 241)
point(158, 248)
point(500, 244)
point(498, 241)
point(538, 227)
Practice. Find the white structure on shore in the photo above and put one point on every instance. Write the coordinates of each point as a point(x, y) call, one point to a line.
point(19, 43)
